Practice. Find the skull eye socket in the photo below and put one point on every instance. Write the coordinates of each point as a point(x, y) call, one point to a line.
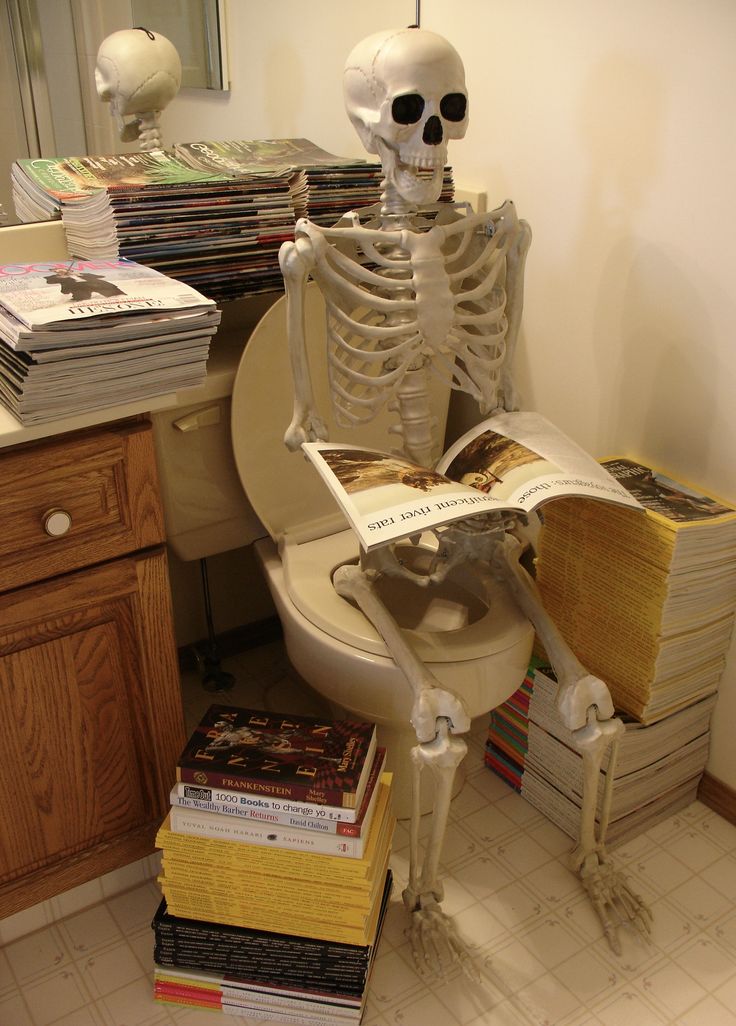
point(407, 109)
point(453, 106)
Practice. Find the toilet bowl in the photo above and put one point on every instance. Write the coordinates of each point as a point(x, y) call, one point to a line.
point(466, 629)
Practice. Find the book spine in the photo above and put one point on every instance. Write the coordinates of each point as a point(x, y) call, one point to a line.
point(207, 824)
point(322, 818)
point(317, 822)
point(278, 792)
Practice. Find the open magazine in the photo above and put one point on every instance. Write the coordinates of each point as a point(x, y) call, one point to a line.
point(512, 461)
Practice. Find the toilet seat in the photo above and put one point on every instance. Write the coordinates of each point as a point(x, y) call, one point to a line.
point(308, 569)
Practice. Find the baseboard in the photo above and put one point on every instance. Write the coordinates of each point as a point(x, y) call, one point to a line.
point(718, 796)
point(239, 639)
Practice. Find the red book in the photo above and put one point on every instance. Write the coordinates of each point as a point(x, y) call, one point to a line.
point(325, 762)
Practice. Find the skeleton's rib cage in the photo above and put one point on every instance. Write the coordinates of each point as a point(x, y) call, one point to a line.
point(407, 300)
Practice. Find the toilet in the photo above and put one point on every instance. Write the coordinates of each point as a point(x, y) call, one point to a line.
point(474, 640)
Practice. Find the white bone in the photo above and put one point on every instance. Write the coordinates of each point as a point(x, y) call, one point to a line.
point(407, 297)
point(394, 65)
point(444, 302)
point(138, 73)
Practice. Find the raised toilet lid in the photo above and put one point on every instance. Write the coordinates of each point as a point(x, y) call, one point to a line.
point(284, 489)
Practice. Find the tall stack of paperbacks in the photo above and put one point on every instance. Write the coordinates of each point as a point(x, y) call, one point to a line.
point(275, 867)
point(646, 600)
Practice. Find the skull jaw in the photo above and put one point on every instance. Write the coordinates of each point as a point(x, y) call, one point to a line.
point(415, 185)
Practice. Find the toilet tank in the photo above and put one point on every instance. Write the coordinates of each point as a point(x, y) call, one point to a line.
point(205, 507)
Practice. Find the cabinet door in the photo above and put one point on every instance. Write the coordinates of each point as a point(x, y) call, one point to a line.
point(90, 724)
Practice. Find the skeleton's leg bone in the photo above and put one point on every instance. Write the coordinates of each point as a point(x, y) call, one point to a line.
point(433, 935)
point(581, 694)
point(431, 700)
point(592, 742)
point(436, 712)
point(611, 896)
point(441, 756)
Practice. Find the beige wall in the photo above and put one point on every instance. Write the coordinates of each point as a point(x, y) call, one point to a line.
point(611, 124)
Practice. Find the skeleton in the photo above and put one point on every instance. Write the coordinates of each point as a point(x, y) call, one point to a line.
point(407, 296)
point(138, 73)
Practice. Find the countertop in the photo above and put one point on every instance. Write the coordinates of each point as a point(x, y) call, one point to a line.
point(238, 320)
point(24, 243)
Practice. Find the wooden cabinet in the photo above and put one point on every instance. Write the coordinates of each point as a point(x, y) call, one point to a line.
point(90, 706)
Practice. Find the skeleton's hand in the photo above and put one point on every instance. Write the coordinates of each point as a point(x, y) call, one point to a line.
point(430, 704)
point(575, 698)
point(307, 427)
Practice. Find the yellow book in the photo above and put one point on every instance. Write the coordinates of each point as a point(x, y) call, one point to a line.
point(343, 926)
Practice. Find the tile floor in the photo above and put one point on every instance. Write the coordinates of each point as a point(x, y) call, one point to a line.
point(541, 955)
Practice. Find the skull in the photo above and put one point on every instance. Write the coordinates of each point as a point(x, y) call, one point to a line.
point(137, 72)
point(405, 95)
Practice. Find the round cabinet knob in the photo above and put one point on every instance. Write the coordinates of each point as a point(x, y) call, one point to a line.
point(56, 522)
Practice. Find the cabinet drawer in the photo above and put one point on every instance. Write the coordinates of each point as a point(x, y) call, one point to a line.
point(77, 500)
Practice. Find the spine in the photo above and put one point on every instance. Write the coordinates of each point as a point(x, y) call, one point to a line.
point(259, 813)
point(297, 815)
point(277, 792)
point(230, 828)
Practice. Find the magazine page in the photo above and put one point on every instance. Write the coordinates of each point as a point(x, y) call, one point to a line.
point(512, 461)
point(522, 460)
point(58, 294)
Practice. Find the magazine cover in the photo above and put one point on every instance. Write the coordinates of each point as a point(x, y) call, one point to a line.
point(670, 499)
point(512, 461)
point(53, 295)
point(259, 156)
point(70, 178)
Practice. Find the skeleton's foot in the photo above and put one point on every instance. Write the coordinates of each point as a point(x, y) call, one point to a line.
point(613, 900)
point(436, 943)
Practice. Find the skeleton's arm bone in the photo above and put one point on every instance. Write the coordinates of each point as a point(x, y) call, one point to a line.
point(306, 424)
point(515, 260)
point(578, 690)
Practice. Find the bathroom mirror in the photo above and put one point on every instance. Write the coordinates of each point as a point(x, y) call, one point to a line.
point(197, 30)
point(50, 109)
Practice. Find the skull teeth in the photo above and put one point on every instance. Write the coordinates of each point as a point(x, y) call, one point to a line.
point(423, 163)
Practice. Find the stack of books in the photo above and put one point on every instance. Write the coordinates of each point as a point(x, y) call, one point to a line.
point(657, 770)
point(646, 601)
point(81, 335)
point(213, 214)
point(275, 867)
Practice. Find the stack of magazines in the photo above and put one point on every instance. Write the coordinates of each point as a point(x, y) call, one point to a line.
point(656, 773)
point(213, 214)
point(218, 233)
point(647, 602)
point(275, 867)
point(82, 335)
